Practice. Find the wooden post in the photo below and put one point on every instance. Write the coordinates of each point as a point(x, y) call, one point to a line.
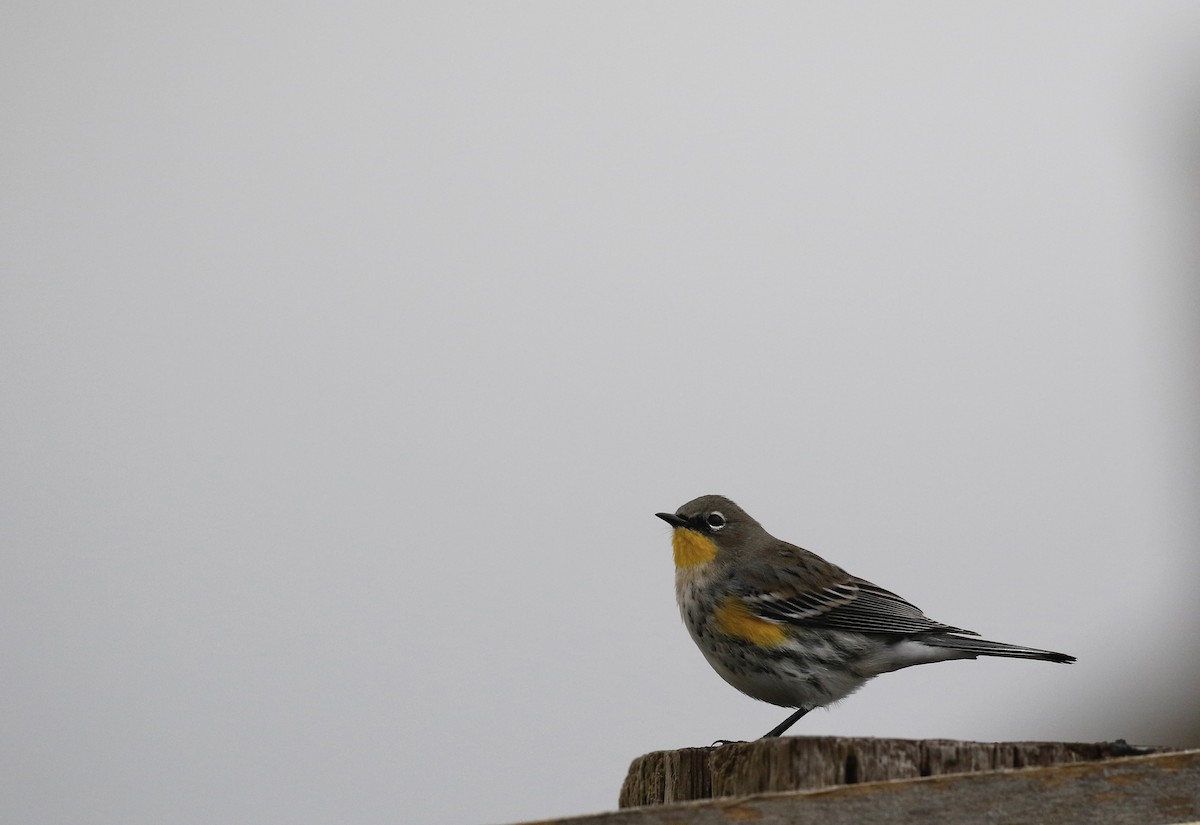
point(1155, 789)
point(805, 763)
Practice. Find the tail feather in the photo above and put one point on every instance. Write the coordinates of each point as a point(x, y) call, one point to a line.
point(982, 647)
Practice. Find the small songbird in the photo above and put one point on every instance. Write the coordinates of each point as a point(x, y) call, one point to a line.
point(785, 626)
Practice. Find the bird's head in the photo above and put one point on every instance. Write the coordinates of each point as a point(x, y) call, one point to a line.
point(710, 527)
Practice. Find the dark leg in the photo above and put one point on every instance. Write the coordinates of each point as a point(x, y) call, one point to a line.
point(786, 723)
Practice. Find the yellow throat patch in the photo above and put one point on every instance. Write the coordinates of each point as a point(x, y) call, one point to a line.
point(735, 619)
point(691, 548)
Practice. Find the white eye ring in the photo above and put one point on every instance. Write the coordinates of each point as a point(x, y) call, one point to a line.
point(715, 520)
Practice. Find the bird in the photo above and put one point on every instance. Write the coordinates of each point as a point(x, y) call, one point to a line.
point(785, 626)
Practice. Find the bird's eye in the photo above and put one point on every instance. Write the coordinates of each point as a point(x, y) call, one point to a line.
point(715, 520)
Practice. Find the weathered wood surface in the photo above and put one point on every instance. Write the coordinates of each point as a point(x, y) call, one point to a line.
point(802, 763)
point(1160, 789)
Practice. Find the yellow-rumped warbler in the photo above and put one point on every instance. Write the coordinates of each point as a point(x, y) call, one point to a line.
point(785, 626)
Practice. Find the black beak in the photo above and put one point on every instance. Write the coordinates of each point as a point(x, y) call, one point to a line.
point(672, 519)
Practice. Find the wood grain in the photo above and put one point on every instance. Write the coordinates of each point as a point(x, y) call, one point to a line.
point(797, 763)
point(1158, 789)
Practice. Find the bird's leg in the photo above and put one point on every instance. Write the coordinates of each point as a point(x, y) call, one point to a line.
point(786, 723)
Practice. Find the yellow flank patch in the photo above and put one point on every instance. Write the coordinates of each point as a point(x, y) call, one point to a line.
point(735, 619)
point(691, 548)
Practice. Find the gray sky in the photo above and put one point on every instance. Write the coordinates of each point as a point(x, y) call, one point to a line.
point(348, 351)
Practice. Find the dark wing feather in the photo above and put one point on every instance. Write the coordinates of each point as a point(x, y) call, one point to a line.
point(841, 603)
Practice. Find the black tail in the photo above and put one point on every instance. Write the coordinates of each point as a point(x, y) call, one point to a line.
point(983, 647)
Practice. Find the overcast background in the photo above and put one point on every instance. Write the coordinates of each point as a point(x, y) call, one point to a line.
point(348, 350)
